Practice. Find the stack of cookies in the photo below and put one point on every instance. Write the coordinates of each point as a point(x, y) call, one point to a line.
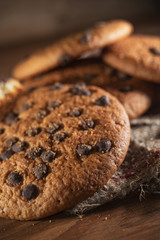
point(69, 131)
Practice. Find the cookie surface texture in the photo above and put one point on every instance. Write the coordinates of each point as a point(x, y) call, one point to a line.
point(137, 55)
point(140, 171)
point(134, 94)
point(65, 144)
point(65, 50)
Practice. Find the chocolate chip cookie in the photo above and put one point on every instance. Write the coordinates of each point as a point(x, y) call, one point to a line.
point(59, 145)
point(138, 55)
point(140, 171)
point(65, 50)
point(10, 90)
point(135, 95)
point(86, 70)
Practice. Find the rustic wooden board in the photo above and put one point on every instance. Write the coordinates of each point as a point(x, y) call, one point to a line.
point(126, 219)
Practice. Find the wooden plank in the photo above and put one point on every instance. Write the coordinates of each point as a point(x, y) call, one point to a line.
point(126, 219)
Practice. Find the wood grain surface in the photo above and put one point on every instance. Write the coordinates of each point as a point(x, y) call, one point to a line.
point(127, 219)
point(122, 219)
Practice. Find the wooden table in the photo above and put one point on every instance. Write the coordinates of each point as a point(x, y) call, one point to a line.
point(122, 219)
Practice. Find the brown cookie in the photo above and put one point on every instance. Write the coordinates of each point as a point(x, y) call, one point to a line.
point(138, 55)
point(135, 95)
point(65, 50)
point(86, 70)
point(140, 171)
point(62, 148)
point(10, 90)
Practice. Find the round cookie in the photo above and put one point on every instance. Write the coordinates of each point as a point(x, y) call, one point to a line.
point(140, 171)
point(138, 55)
point(10, 90)
point(63, 147)
point(65, 50)
point(86, 70)
point(135, 95)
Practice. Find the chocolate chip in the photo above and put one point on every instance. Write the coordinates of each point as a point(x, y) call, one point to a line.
point(85, 38)
point(113, 72)
point(56, 86)
point(14, 178)
point(26, 106)
point(40, 171)
point(40, 115)
point(33, 131)
point(59, 137)
point(2, 130)
point(52, 128)
point(75, 112)
point(155, 51)
point(6, 155)
point(102, 101)
point(11, 119)
point(34, 152)
point(31, 89)
point(103, 145)
point(19, 146)
point(65, 59)
point(11, 141)
point(30, 192)
point(120, 75)
point(89, 77)
point(54, 104)
point(80, 89)
point(126, 88)
point(84, 150)
point(87, 124)
point(39, 75)
point(22, 81)
point(48, 156)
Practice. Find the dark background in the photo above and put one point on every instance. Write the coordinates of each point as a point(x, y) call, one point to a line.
point(37, 20)
point(27, 25)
